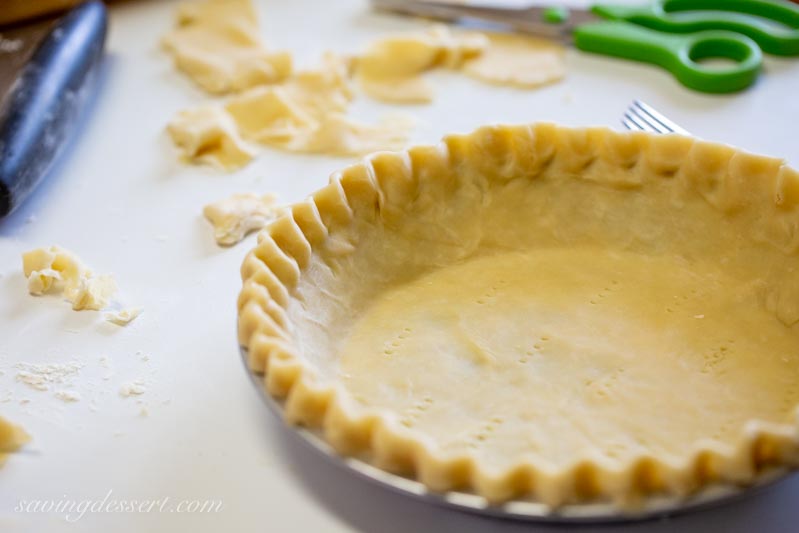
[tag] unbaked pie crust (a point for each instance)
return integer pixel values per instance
(543, 313)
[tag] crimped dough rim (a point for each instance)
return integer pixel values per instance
(273, 269)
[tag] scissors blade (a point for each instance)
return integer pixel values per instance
(527, 19)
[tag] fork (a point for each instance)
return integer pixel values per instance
(642, 116)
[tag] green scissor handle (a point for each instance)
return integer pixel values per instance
(678, 53)
(772, 24)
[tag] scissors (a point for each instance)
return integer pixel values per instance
(676, 35)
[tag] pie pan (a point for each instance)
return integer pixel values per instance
(531, 511)
(539, 321)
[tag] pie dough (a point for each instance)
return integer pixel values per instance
(234, 217)
(390, 70)
(208, 135)
(12, 438)
(306, 114)
(55, 268)
(217, 44)
(340, 135)
(518, 61)
(123, 317)
(538, 312)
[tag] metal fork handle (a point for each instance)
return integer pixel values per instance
(452, 11)
(527, 19)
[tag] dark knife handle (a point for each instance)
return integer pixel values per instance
(41, 108)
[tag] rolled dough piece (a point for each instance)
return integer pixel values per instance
(278, 115)
(518, 61)
(234, 217)
(217, 44)
(208, 134)
(306, 114)
(390, 69)
(407, 90)
(340, 135)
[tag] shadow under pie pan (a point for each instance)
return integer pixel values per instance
(539, 322)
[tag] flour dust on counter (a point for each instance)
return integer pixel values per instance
(67, 396)
(79, 383)
(44, 377)
(132, 388)
(59, 271)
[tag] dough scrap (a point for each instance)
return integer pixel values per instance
(91, 292)
(339, 135)
(12, 438)
(133, 388)
(123, 317)
(55, 268)
(305, 114)
(279, 115)
(207, 134)
(518, 61)
(217, 44)
(234, 217)
(409, 90)
(390, 70)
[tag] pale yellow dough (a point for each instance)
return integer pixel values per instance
(217, 44)
(207, 134)
(342, 136)
(407, 90)
(540, 313)
(123, 317)
(306, 113)
(390, 69)
(12, 438)
(285, 115)
(541, 355)
(518, 61)
(55, 268)
(236, 216)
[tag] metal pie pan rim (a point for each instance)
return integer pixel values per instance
(521, 510)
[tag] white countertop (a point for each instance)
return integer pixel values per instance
(122, 202)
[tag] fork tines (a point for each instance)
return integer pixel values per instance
(641, 116)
